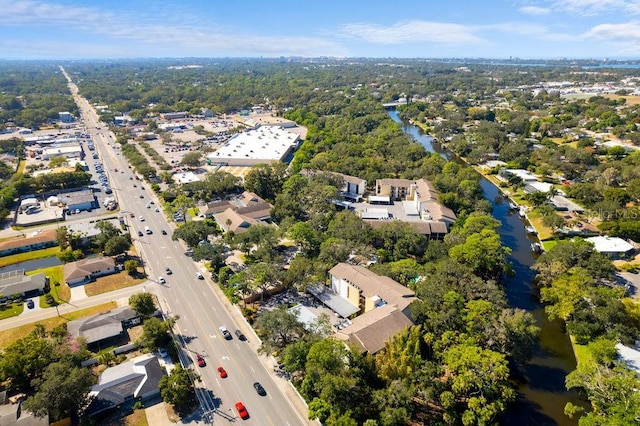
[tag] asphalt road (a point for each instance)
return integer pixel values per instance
(200, 310)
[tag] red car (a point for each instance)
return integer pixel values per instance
(241, 410)
(200, 360)
(223, 372)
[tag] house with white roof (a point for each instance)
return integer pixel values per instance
(613, 247)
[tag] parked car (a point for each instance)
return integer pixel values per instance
(30, 304)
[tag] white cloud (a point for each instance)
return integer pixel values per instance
(625, 31)
(413, 31)
(197, 38)
(597, 7)
(535, 10)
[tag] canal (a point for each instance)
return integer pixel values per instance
(541, 392)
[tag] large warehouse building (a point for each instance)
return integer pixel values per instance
(262, 145)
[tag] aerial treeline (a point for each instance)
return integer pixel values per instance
(32, 94)
(577, 285)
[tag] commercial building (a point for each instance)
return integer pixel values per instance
(261, 145)
(65, 117)
(174, 115)
(78, 200)
(67, 151)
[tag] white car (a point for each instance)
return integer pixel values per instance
(161, 280)
(199, 276)
(141, 219)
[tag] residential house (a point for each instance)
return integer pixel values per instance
(36, 241)
(17, 283)
(613, 247)
(85, 270)
(135, 380)
(12, 413)
(104, 326)
(238, 215)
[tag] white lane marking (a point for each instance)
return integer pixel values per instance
(226, 358)
(212, 336)
(251, 367)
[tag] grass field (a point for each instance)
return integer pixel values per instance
(110, 283)
(9, 336)
(11, 310)
(21, 257)
(138, 418)
(61, 293)
(630, 100)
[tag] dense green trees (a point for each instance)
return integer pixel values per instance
(178, 388)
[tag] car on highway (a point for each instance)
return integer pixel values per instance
(157, 210)
(141, 218)
(222, 372)
(242, 411)
(200, 360)
(141, 196)
(259, 389)
(240, 336)
(163, 232)
(140, 234)
(168, 271)
(199, 276)
(225, 333)
(161, 280)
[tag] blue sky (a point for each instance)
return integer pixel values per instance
(339, 28)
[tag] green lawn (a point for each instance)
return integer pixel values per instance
(193, 212)
(11, 310)
(61, 293)
(582, 353)
(21, 257)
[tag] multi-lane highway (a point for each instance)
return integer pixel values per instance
(199, 308)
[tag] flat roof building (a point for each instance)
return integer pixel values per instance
(262, 145)
(67, 151)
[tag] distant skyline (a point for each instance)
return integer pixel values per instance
(528, 29)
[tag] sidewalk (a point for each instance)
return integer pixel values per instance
(31, 316)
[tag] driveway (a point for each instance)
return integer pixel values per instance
(78, 293)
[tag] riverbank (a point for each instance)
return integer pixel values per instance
(542, 394)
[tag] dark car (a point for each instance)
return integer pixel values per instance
(168, 271)
(163, 232)
(240, 336)
(140, 234)
(259, 389)
(30, 304)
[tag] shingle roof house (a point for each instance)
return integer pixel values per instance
(137, 379)
(102, 326)
(84, 270)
